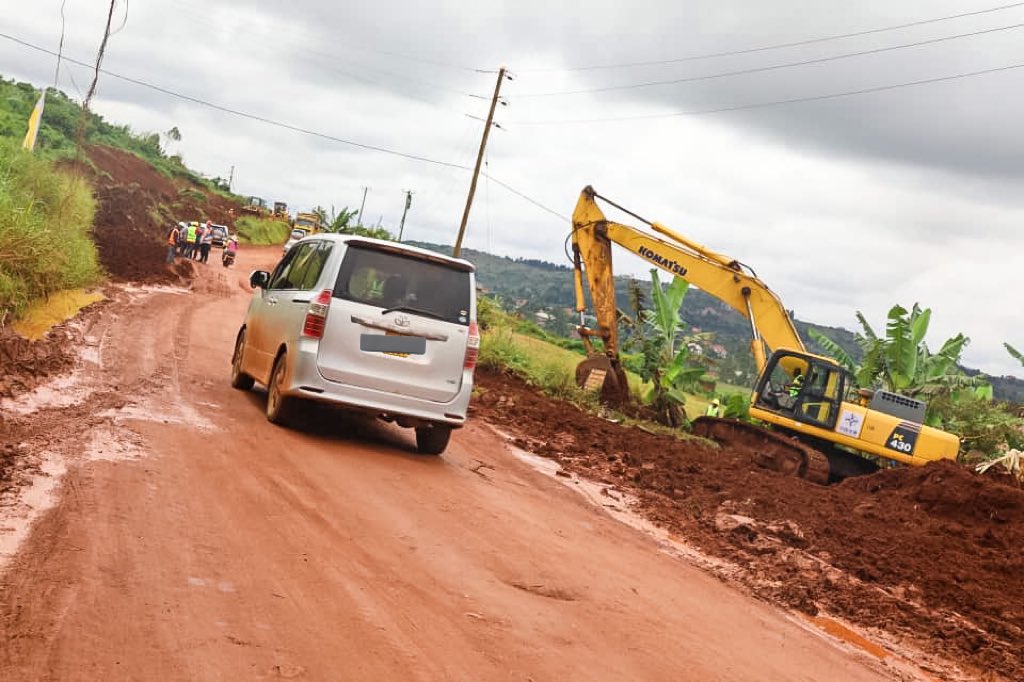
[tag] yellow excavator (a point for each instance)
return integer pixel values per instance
(811, 430)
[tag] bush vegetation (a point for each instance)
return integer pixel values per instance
(45, 218)
(58, 133)
(262, 231)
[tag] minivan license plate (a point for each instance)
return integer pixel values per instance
(393, 344)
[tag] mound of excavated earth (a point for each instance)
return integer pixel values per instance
(136, 206)
(930, 558)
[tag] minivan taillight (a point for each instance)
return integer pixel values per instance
(313, 327)
(472, 346)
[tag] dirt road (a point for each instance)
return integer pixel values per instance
(192, 540)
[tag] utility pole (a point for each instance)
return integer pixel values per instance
(359, 220)
(231, 178)
(479, 159)
(408, 203)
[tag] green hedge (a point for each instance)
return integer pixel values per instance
(261, 231)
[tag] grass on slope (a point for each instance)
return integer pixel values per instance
(262, 231)
(507, 344)
(45, 218)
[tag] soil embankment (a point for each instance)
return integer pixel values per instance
(930, 556)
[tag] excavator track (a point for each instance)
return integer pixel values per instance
(772, 450)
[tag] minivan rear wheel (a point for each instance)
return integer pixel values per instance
(432, 440)
(239, 379)
(279, 406)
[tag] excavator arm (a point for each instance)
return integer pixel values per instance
(718, 275)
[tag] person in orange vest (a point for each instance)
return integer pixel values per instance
(172, 244)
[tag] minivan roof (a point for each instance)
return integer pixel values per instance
(400, 249)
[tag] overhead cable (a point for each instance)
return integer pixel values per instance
(236, 112)
(774, 67)
(778, 46)
(781, 102)
(287, 126)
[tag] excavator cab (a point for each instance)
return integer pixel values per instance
(815, 399)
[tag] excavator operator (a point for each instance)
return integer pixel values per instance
(796, 384)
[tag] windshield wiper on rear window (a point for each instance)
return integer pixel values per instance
(415, 311)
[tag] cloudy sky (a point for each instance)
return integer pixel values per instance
(906, 192)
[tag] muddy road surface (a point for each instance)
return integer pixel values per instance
(180, 536)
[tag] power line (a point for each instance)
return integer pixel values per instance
(287, 126)
(236, 112)
(779, 46)
(398, 55)
(775, 67)
(794, 100)
(60, 46)
(523, 196)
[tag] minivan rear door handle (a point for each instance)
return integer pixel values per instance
(394, 328)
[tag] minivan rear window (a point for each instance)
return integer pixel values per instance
(389, 280)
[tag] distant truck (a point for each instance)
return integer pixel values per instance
(308, 221)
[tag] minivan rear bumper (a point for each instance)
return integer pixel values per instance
(307, 382)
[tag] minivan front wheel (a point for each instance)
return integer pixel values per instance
(432, 440)
(278, 405)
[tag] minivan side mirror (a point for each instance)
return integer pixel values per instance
(259, 279)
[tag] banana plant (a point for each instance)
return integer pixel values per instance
(1014, 352)
(665, 354)
(901, 361)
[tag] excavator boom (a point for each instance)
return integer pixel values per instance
(718, 275)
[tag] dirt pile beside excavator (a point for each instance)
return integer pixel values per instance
(928, 558)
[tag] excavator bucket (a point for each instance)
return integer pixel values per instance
(598, 373)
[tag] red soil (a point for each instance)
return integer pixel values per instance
(932, 556)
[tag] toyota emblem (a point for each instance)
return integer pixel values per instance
(402, 321)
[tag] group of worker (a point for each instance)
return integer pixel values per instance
(194, 241)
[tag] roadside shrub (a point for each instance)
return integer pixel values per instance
(982, 425)
(262, 231)
(45, 218)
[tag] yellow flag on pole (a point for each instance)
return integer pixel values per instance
(34, 121)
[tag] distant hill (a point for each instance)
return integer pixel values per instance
(532, 286)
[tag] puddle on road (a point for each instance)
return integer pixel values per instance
(64, 391)
(178, 413)
(32, 500)
(137, 291)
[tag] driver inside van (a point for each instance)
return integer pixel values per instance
(394, 291)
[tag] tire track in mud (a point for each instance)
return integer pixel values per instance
(77, 417)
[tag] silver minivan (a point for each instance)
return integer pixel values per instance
(368, 324)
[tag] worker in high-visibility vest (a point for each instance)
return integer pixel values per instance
(714, 409)
(796, 384)
(191, 238)
(172, 243)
